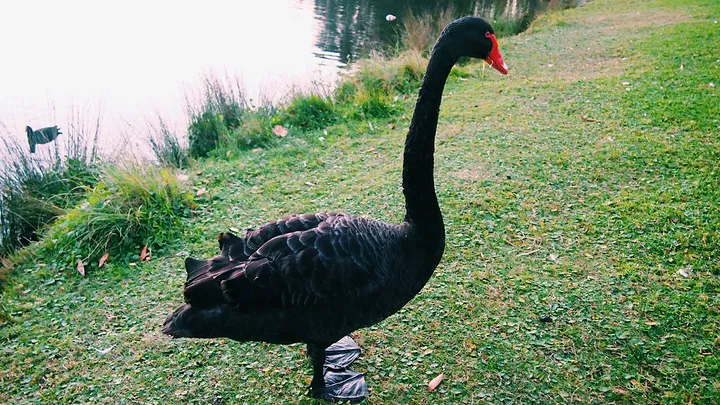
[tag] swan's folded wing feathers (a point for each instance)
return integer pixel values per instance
(254, 239)
(233, 247)
(309, 267)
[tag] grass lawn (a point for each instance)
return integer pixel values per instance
(582, 207)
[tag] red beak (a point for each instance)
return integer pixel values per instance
(495, 59)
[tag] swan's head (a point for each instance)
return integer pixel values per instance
(473, 37)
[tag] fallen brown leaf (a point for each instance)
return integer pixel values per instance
(143, 253)
(201, 192)
(435, 382)
(279, 131)
(588, 119)
(81, 268)
(103, 259)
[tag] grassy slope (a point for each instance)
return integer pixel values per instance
(547, 215)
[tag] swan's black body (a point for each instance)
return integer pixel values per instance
(315, 278)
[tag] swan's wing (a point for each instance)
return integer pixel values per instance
(237, 248)
(343, 259)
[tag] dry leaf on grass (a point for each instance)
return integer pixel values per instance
(144, 253)
(435, 382)
(103, 259)
(81, 268)
(279, 131)
(201, 192)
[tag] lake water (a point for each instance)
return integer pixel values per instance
(129, 61)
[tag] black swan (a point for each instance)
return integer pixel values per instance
(41, 136)
(315, 278)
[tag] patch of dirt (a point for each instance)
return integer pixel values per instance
(591, 68)
(483, 172)
(638, 19)
(585, 50)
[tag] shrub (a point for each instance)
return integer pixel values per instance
(166, 146)
(309, 112)
(373, 104)
(131, 206)
(370, 89)
(219, 111)
(420, 32)
(346, 89)
(254, 131)
(504, 27)
(205, 132)
(37, 188)
(401, 74)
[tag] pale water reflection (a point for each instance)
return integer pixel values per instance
(133, 60)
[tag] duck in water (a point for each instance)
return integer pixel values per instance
(41, 136)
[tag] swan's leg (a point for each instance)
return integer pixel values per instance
(317, 356)
(341, 383)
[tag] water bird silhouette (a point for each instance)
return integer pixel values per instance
(41, 136)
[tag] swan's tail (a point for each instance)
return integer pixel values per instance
(232, 247)
(202, 288)
(190, 322)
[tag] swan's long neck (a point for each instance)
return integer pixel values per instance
(422, 210)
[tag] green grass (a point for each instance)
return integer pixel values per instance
(576, 189)
(131, 207)
(309, 112)
(167, 147)
(37, 188)
(216, 113)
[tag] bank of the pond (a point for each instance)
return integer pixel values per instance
(580, 202)
(37, 188)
